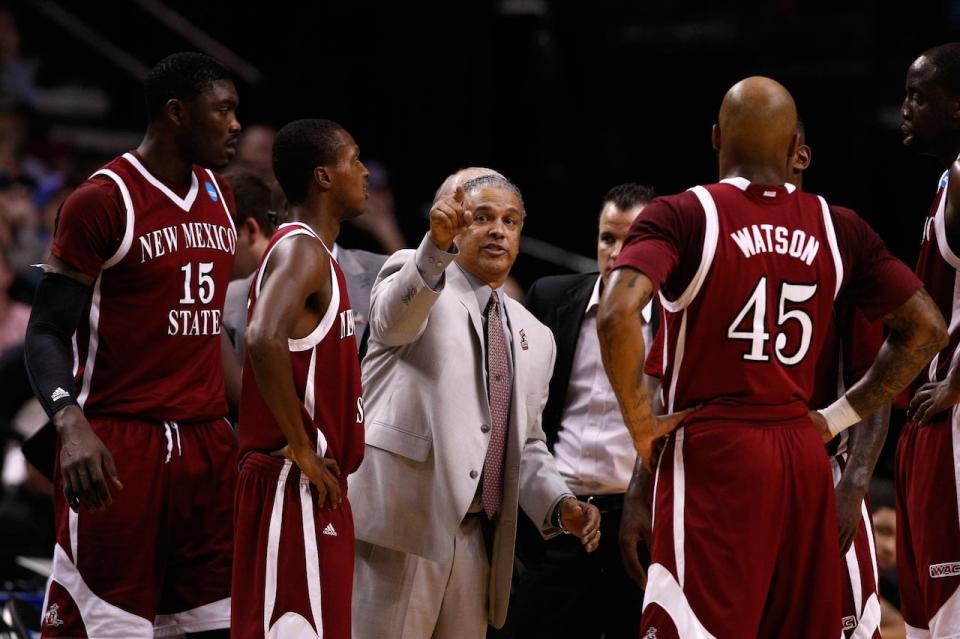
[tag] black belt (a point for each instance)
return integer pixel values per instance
(604, 503)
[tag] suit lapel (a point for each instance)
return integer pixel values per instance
(569, 318)
(459, 285)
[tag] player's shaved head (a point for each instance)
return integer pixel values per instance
(757, 128)
(460, 177)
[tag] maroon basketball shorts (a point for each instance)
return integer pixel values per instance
(293, 561)
(159, 558)
(858, 585)
(744, 535)
(928, 526)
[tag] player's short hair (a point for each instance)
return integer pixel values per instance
(497, 182)
(253, 199)
(946, 59)
(628, 195)
(180, 76)
(298, 149)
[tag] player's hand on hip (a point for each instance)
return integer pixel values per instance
(448, 219)
(931, 399)
(322, 472)
(822, 427)
(582, 520)
(648, 444)
(85, 463)
(635, 529)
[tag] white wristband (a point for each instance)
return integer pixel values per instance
(840, 415)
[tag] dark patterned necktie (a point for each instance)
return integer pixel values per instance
(498, 387)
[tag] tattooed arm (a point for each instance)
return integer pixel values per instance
(917, 333)
(622, 349)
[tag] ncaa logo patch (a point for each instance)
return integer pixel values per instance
(211, 191)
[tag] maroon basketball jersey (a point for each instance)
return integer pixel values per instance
(747, 330)
(937, 267)
(326, 372)
(150, 346)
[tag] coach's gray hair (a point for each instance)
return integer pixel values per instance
(496, 181)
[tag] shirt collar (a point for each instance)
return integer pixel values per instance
(482, 290)
(594, 302)
(742, 184)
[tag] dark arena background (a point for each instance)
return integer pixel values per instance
(566, 98)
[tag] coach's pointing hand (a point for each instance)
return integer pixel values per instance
(448, 219)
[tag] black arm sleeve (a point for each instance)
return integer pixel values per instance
(57, 311)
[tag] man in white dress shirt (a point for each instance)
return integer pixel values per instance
(594, 453)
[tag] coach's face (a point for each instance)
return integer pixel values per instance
(614, 226)
(929, 113)
(490, 244)
(210, 130)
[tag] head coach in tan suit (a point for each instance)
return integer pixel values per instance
(455, 379)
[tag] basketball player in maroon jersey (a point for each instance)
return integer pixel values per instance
(301, 412)
(139, 266)
(735, 551)
(928, 453)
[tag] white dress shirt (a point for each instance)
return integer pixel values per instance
(594, 451)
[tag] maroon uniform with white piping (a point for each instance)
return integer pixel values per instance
(744, 535)
(928, 463)
(149, 379)
(293, 561)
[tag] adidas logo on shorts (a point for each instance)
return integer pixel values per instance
(329, 530)
(59, 394)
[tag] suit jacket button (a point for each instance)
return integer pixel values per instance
(484, 428)
(473, 474)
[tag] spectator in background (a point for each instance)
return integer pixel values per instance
(13, 315)
(883, 504)
(255, 226)
(16, 72)
(254, 153)
(594, 452)
(380, 220)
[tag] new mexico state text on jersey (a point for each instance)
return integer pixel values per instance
(150, 347)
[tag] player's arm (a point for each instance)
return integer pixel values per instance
(297, 270)
(57, 311)
(917, 332)
(636, 524)
(935, 397)
(864, 444)
(231, 373)
(407, 288)
(622, 348)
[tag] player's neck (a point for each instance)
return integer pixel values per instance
(161, 157)
(323, 224)
(754, 173)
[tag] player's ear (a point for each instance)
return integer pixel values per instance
(252, 227)
(715, 136)
(803, 158)
(174, 110)
(794, 145)
(322, 178)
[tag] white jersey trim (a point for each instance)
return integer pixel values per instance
(679, 496)
(185, 203)
(223, 200)
(310, 552)
(742, 183)
(834, 246)
(711, 234)
(273, 547)
(128, 206)
(940, 226)
(92, 344)
(677, 361)
(663, 590)
(212, 616)
(101, 618)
